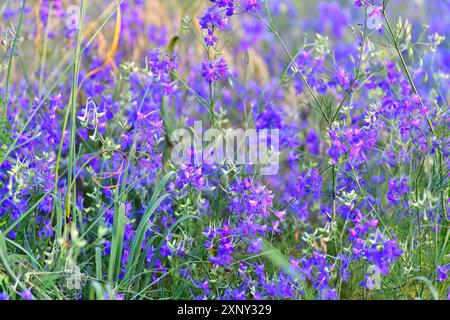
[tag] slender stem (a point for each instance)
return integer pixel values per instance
(73, 112)
(44, 49)
(294, 63)
(13, 48)
(62, 74)
(212, 104)
(408, 74)
(427, 118)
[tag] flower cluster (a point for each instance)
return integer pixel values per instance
(359, 206)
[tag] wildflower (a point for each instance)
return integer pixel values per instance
(342, 78)
(359, 3)
(443, 273)
(280, 214)
(391, 250)
(255, 246)
(228, 4)
(191, 175)
(204, 286)
(397, 189)
(238, 294)
(309, 183)
(214, 70)
(330, 295)
(26, 294)
(47, 230)
(212, 19)
(375, 15)
(210, 39)
(253, 5)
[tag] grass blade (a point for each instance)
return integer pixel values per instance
(143, 225)
(116, 243)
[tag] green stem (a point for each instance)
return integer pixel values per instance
(294, 63)
(13, 48)
(73, 113)
(44, 50)
(427, 118)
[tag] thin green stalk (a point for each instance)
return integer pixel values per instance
(13, 48)
(98, 264)
(117, 241)
(427, 118)
(212, 105)
(44, 99)
(294, 63)
(44, 50)
(5, 264)
(4, 7)
(71, 194)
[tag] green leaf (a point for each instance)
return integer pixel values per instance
(155, 201)
(117, 242)
(98, 263)
(172, 45)
(5, 264)
(429, 285)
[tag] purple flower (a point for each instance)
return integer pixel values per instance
(204, 286)
(280, 214)
(375, 16)
(214, 70)
(309, 183)
(212, 19)
(391, 250)
(26, 294)
(210, 38)
(442, 273)
(359, 3)
(342, 78)
(253, 5)
(255, 246)
(397, 189)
